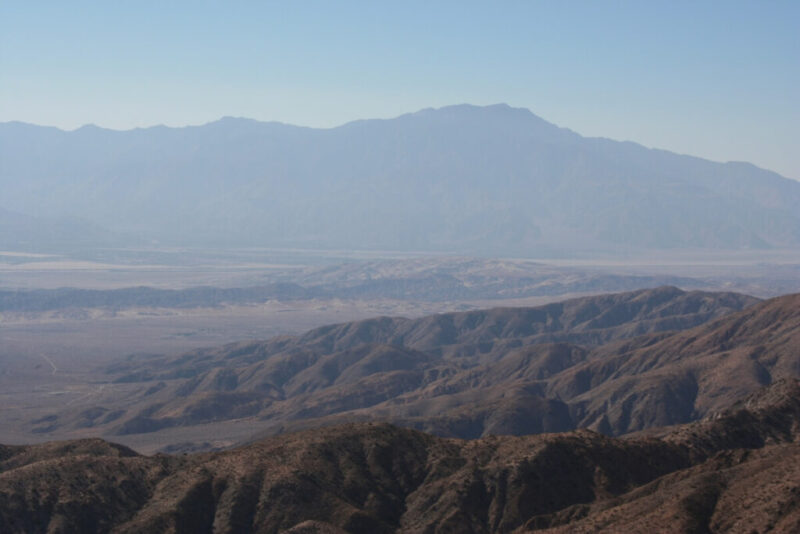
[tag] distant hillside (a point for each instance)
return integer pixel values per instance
(498, 371)
(478, 180)
(736, 472)
(429, 280)
(32, 233)
(36, 300)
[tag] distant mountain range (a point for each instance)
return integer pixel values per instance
(477, 180)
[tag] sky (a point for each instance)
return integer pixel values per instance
(715, 79)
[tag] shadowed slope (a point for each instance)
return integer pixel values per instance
(689, 374)
(379, 478)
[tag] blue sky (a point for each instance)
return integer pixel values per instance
(717, 79)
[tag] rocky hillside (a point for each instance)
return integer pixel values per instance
(500, 371)
(738, 471)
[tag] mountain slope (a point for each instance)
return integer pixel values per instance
(27, 232)
(482, 180)
(379, 478)
(473, 374)
(463, 374)
(691, 373)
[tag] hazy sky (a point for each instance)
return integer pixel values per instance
(717, 79)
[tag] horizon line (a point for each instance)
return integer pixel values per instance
(499, 105)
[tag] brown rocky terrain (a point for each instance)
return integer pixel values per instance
(467, 374)
(736, 471)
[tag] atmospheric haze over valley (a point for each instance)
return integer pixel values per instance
(454, 317)
(169, 289)
(485, 273)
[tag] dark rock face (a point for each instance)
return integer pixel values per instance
(736, 471)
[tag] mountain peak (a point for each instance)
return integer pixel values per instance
(89, 127)
(229, 119)
(472, 110)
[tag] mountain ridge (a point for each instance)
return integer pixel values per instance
(381, 478)
(484, 180)
(465, 374)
